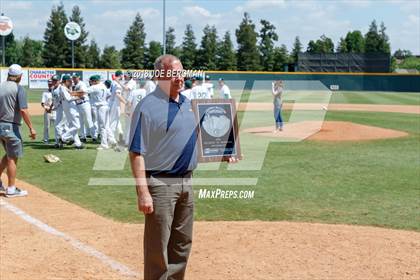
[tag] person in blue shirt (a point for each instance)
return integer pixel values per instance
(163, 155)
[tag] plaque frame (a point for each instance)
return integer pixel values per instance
(234, 129)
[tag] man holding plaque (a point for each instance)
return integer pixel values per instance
(163, 156)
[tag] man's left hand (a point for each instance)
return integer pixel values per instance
(233, 160)
(32, 133)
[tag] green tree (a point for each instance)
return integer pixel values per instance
(31, 53)
(226, 57)
(281, 58)
(372, 39)
(327, 44)
(153, 52)
(248, 57)
(322, 45)
(411, 62)
(342, 46)
(134, 41)
(189, 48)
(297, 48)
(57, 50)
(268, 37)
(355, 43)
(93, 57)
(384, 45)
(313, 47)
(171, 47)
(110, 58)
(13, 51)
(80, 46)
(207, 53)
(401, 54)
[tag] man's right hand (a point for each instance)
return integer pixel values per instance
(145, 202)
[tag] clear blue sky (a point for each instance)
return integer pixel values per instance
(108, 20)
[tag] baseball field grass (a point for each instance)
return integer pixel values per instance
(343, 97)
(365, 183)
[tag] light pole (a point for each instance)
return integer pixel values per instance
(3, 50)
(72, 30)
(72, 53)
(164, 27)
(6, 25)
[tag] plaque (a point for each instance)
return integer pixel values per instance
(218, 134)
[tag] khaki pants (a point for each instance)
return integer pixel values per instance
(168, 230)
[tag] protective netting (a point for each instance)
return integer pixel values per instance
(344, 62)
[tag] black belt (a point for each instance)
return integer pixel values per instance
(80, 103)
(163, 174)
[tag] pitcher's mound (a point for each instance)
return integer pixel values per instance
(327, 131)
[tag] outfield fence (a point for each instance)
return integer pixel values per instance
(38, 77)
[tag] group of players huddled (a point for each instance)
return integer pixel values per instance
(102, 111)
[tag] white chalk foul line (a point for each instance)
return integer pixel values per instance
(117, 266)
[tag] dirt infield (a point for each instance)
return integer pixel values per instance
(328, 131)
(36, 110)
(45, 249)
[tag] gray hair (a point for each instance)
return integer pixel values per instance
(160, 61)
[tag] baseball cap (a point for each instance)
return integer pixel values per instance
(118, 73)
(108, 83)
(75, 75)
(65, 77)
(54, 78)
(129, 74)
(221, 79)
(94, 78)
(188, 84)
(15, 70)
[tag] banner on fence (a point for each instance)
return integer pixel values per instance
(38, 78)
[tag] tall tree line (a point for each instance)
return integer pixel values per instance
(256, 49)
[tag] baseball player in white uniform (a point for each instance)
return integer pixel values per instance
(49, 114)
(127, 90)
(150, 86)
(84, 108)
(99, 94)
(187, 92)
(133, 99)
(224, 91)
(129, 85)
(201, 91)
(60, 120)
(71, 112)
(208, 85)
(115, 101)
